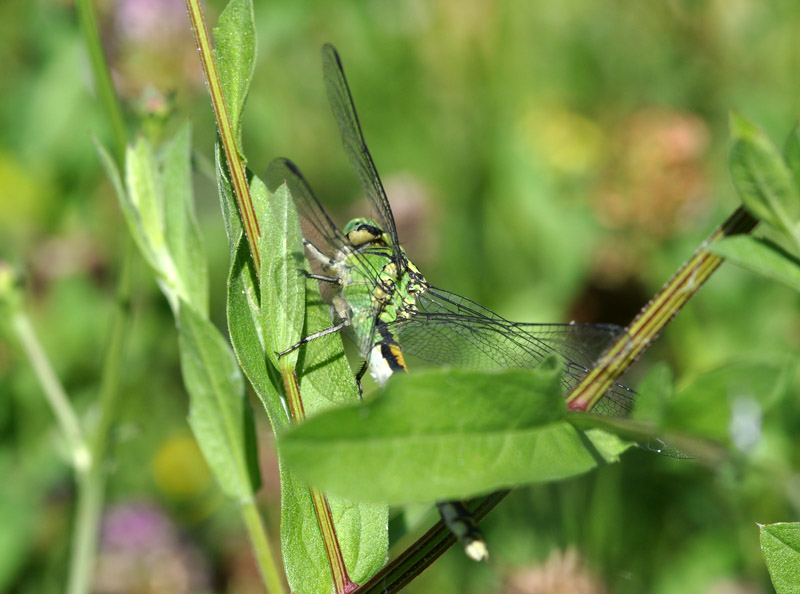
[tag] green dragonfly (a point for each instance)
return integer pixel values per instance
(380, 298)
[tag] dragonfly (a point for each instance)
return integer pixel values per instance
(381, 299)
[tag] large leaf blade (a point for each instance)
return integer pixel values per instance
(442, 434)
(219, 414)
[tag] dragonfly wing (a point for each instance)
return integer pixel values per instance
(317, 227)
(344, 111)
(452, 330)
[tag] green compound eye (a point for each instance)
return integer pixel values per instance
(362, 231)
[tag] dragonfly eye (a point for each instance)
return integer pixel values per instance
(363, 231)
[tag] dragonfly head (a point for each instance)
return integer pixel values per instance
(362, 231)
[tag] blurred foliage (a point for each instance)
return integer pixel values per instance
(552, 161)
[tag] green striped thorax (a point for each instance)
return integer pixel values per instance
(374, 292)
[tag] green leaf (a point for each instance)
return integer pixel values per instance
(283, 285)
(761, 256)
(326, 382)
(182, 231)
(443, 434)
(244, 326)
(219, 414)
(235, 54)
(129, 210)
(761, 177)
(780, 544)
(360, 529)
(230, 211)
(146, 195)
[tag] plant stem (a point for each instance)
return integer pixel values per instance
(89, 505)
(225, 129)
(102, 77)
(263, 552)
(90, 479)
(333, 550)
(53, 391)
(654, 317)
(91, 482)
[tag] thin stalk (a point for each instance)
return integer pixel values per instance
(646, 327)
(53, 391)
(225, 128)
(261, 549)
(90, 480)
(88, 511)
(102, 77)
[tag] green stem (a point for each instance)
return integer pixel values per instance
(236, 168)
(91, 479)
(53, 391)
(102, 77)
(263, 553)
(90, 484)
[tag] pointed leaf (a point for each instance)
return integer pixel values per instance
(283, 285)
(761, 256)
(135, 226)
(443, 434)
(230, 212)
(235, 54)
(219, 414)
(780, 544)
(244, 325)
(761, 177)
(145, 191)
(182, 231)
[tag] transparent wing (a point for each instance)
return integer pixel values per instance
(452, 330)
(344, 111)
(316, 225)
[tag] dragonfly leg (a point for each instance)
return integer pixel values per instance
(359, 375)
(317, 253)
(460, 522)
(321, 277)
(315, 335)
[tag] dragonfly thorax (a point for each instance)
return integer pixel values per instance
(362, 231)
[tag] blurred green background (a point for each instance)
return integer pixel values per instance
(553, 161)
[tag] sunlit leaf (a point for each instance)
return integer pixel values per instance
(761, 256)
(235, 54)
(780, 544)
(281, 277)
(761, 177)
(219, 414)
(182, 231)
(443, 434)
